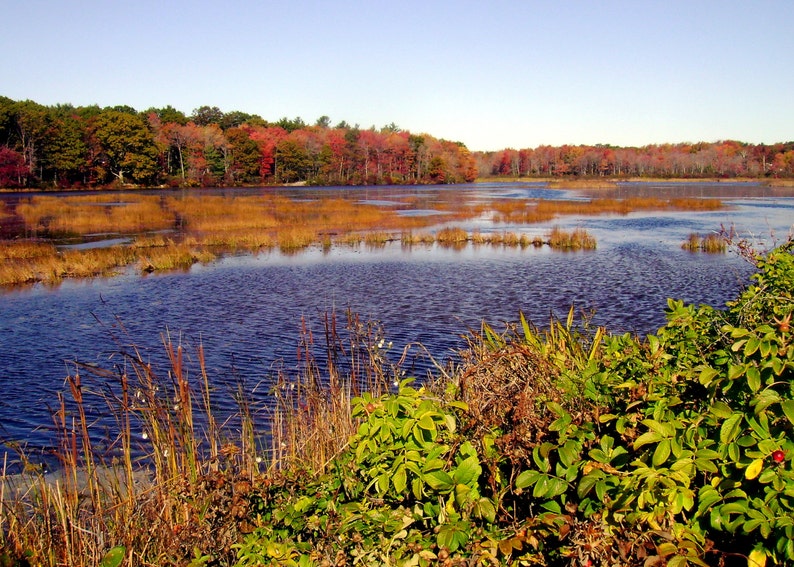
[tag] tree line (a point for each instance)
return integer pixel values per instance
(67, 146)
(724, 159)
(64, 146)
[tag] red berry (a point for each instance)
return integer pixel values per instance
(778, 456)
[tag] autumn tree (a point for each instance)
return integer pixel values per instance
(13, 171)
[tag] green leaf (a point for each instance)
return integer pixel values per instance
(587, 482)
(707, 375)
(467, 471)
(734, 508)
(400, 480)
(661, 453)
(706, 465)
(647, 438)
(542, 487)
(527, 478)
(382, 485)
(788, 409)
(753, 378)
(751, 346)
(426, 422)
(730, 428)
(757, 558)
(439, 481)
(721, 410)
(707, 497)
(485, 509)
(114, 557)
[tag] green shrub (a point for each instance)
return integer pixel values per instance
(569, 446)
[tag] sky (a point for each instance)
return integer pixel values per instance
(492, 74)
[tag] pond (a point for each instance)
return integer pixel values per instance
(247, 310)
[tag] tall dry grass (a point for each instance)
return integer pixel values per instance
(532, 211)
(173, 484)
(711, 243)
(92, 214)
(208, 226)
(577, 239)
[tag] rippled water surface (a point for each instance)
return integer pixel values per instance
(247, 310)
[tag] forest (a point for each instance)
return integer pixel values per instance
(65, 146)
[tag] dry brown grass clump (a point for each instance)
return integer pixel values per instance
(508, 379)
(93, 214)
(535, 211)
(174, 485)
(452, 235)
(578, 239)
(711, 243)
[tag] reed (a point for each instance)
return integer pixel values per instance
(350, 239)
(174, 484)
(531, 212)
(452, 235)
(409, 238)
(578, 239)
(93, 214)
(378, 238)
(215, 225)
(582, 184)
(711, 243)
(24, 249)
(295, 238)
(172, 256)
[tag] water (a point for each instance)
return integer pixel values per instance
(246, 311)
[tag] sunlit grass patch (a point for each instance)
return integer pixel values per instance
(377, 238)
(421, 237)
(295, 238)
(92, 214)
(452, 235)
(711, 243)
(172, 257)
(528, 211)
(578, 239)
(24, 249)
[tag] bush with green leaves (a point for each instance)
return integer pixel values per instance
(569, 446)
(407, 491)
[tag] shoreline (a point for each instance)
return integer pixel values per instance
(554, 182)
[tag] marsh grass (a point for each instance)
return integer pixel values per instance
(712, 243)
(578, 239)
(91, 214)
(207, 226)
(451, 236)
(410, 238)
(177, 477)
(530, 212)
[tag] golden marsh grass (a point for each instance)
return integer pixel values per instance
(711, 243)
(92, 214)
(529, 211)
(212, 225)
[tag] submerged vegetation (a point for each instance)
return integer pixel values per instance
(166, 232)
(559, 446)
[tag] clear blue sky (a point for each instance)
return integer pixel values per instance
(491, 74)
